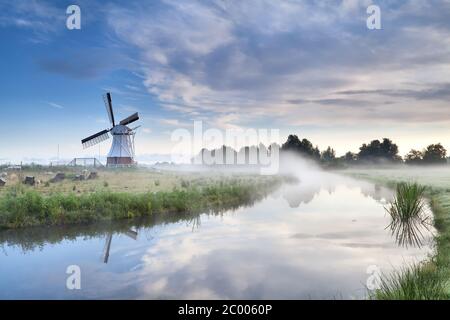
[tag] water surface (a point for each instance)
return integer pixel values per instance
(306, 241)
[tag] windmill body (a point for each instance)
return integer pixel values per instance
(121, 152)
(122, 149)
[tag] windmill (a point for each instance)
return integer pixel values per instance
(122, 149)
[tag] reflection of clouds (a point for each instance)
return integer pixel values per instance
(319, 249)
(312, 251)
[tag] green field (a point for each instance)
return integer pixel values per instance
(120, 194)
(131, 180)
(431, 280)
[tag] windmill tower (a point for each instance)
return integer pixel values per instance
(122, 149)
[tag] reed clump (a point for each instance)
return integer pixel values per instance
(408, 214)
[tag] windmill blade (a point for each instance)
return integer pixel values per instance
(109, 109)
(107, 248)
(95, 139)
(135, 128)
(130, 119)
(131, 234)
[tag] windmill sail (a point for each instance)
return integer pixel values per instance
(109, 109)
(95, 139)
(134, 117)
(107, 248)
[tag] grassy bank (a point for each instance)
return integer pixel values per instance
(21, 206)
(430, 280)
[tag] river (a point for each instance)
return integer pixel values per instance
(322, 239)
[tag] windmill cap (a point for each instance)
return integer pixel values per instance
(120, 129)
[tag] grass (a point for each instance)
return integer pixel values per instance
(416, 282)
(21, 206)
(131, 180)
(407, 211)
(408, 204)
(430, 280)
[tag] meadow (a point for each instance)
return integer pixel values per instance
(130, 180)
(430, 280)
(120, 194)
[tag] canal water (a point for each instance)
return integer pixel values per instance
(317, 239)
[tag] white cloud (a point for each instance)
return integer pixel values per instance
(236, 62)
(55, 105)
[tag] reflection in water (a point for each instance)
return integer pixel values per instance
(317, 244)
(304, 193)
(410, 221)
(130, 233)
(413, 231)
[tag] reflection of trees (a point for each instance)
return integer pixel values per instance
(303, 193)
(376, 192)
(297, 194)
(29, 239)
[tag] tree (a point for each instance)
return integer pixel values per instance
(328, 155)
(377, 150)
(350, 157)
(316, 153)
(435, 154)
(414, 157)
(303, 147)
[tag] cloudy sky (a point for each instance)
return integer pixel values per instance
(311, 68)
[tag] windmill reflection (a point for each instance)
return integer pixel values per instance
(130, 233)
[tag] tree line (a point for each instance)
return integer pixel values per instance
(376, 152)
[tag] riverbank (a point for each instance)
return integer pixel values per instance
(25, 206)
(430, 280)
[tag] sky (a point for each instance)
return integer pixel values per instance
(310, 68)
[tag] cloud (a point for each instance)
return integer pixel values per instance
(55, 105)
(259, 62)
(218, 59)
(41, 17)
(437, 91)
(171, 122)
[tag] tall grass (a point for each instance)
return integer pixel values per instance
(22, 207)
(425, 281)
(407, 211)
(438, 191)
(417, 282)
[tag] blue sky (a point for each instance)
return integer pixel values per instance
(305, 67)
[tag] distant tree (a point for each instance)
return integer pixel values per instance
(303, 147)
(316, 153)
(377, 150)
(350, 157)
(435, 154)
(292, 143)
(414, 157)
(328, 155)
